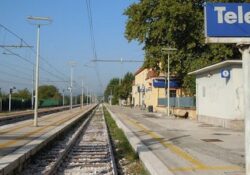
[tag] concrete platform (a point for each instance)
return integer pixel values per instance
(181, 146)
(21, 140)
(4, 116)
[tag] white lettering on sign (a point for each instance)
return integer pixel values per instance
(231, 17)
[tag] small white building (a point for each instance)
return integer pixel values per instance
(219, 94)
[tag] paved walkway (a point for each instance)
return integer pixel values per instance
(185, 146)
(14, 136)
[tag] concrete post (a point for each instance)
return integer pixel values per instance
(87, 95)
(37, 76)
(168, 86)
(1, 101)
(82, 95)
(32, 89)
(63, 98)
(245, 50)
(71, 86)
(10, 102)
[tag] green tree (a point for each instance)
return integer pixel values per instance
(157, 24)
(126, 86)
(119, 89)
(48, 91)
(113, 89)
(22, 94)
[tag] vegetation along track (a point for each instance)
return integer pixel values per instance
(84, 150)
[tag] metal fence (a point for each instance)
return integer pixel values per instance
(183, 102)
(22, 104)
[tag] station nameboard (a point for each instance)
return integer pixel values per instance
(227, 22)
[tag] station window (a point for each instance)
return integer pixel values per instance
(172, 93)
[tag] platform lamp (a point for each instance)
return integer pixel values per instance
(38, 21)
(168, 50)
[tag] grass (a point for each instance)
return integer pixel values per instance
(124, 153)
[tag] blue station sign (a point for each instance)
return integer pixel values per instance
(227, 19)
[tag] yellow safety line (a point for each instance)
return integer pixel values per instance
(198, 165)
(234, 168)
(11, 129)
(3, 145)
(15, 128)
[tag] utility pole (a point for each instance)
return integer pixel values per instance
(82, 95)
(87, 95)
(11, 90)
(32, 89)
(90, 101)
(168, 50)
(72, 64)
(38, 22)
(63, 97)
(1, 101)
(91, 97)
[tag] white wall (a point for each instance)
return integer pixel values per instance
(219, 97)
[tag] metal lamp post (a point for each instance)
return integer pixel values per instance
(72, 65)
(1, 101)
(168, 50)
(82, 95)
(87, 95)
(11, 90)
(63, 97)
(38, 21)
(70, 91)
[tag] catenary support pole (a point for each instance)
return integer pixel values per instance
(72, 64)
(168, 86)
(32, 89)
(10, 102)
(1, 101)
(87, 95)
(82, 95)
(63, 98)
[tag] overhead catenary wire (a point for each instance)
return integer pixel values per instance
(33, 51)
(16, 69)
(15, 82)
(15, 76)
(28, 61)
(91, 28)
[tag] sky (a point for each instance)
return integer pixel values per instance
(66, 39)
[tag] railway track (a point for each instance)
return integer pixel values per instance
(85, 149)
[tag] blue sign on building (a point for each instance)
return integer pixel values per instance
(227, 19)
(225, 73)
(160, 83)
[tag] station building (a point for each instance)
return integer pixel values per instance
(219, 94)
(149, 86)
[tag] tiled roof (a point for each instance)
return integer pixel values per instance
(139, 71)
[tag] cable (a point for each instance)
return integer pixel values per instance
(16, 76)
(15, 69)
(89, 11)
(32, 49)
(28, 61)
(12, 82)
(19, 56)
